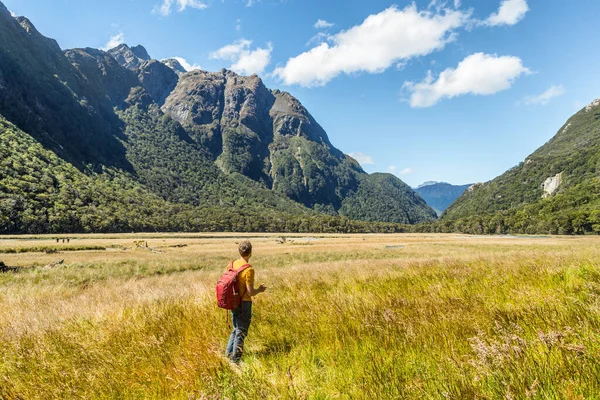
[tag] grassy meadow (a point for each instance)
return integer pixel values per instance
(345, 317)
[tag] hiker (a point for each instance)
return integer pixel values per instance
(242, 315)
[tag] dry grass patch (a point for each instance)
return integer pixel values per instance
(345, 317)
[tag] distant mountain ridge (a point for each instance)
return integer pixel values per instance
(428, 183)
(440, 195)
(204, 139)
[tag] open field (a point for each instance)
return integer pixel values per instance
(359, 316)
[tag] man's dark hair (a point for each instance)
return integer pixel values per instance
(245, 248)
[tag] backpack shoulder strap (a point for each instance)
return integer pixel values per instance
(243, 268)
(239, 270)
(230, 266)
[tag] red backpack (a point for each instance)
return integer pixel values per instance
(228, 296)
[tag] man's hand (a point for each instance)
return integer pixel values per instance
(252, 291)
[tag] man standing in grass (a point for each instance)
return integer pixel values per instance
(242, 315)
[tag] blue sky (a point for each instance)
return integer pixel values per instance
(455, 91)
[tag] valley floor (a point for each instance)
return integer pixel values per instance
(346, 316)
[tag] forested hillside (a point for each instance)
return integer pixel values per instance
(555, 190)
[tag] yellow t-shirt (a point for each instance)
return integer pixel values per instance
(244, 278)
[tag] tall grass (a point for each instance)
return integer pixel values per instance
(444, 317)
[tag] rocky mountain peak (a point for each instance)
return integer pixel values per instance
(128, 57)
(140, 52)
(174, 65)
(428, 183)
(35, 34)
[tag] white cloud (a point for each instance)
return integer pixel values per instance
(479, 74)
(250, 3)
(381, 41)
(322, 24)
(544, 98)
(114, 41)
(392, 169)
(186, 65)
(362, 158)
(509, 13)
(245, 61)
(165, 8)
(238, 25)
(12, 14)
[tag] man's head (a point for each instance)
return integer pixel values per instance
(245, 249)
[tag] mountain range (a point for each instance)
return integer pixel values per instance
(93, 140)
(440, 195)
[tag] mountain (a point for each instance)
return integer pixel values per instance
(556, 189)
(428, 183)
(42, 193)
(439, 195)
(193, 140)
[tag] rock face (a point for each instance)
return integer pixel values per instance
(551, 185)
(157, 78)
(195, 137)
(266, 135)
(592, 105)
(104, 75)
(45, 95)
(175, 66)
(129, 57)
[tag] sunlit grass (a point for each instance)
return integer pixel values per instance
(344, 317)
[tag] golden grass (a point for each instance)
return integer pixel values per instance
(357, 316)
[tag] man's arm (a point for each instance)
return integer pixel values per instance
(250, 289)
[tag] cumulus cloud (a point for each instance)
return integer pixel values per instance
(544, 98)
(381, 41)
(362, 158)
(12, 14)
(186, 65)
(244, 60)
(406, 171)
(509, 13)
(166, 6)
(322, 24)
(479, 74)
(114, 41)
(392, 169)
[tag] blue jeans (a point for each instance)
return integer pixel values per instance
(241, 317)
